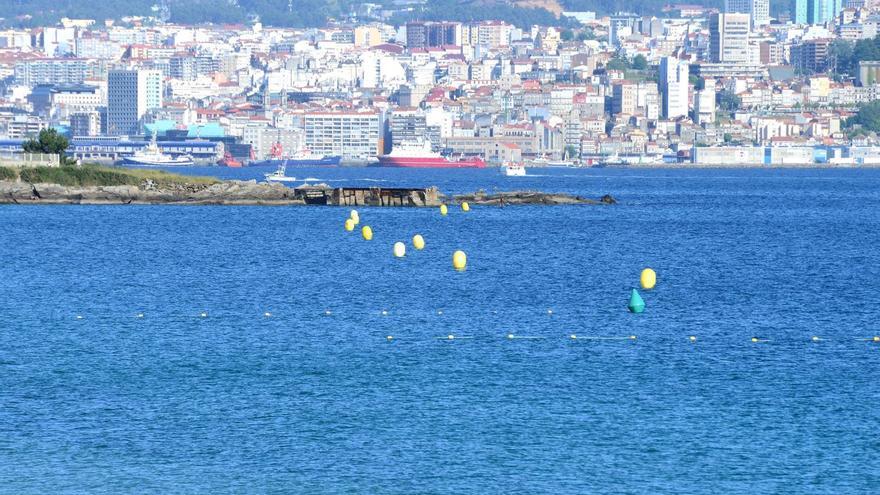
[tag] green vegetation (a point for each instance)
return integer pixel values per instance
(867, 119)
(95, 175)
(49, 142)
(844, 56)
(641, 7)
(287, 13)
(455, 10)
(728, 101)
(636, 70)
(309, 13)
(296, 13)
(8, 173)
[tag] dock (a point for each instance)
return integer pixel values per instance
(368, 196)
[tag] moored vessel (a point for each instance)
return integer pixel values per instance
(152, 156)
(302, 158)
(410, 154)
(513, 169)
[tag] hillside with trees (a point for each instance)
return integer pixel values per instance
(307, 13)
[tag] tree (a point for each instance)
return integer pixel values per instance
(640, 62)
(586, 34)
(698, 82)
(868, 117)
(566, 35)
(617, 63)
(728, 101)
(571, 151)
(48, 141)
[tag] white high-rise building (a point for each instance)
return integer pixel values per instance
(704, 103)
(729, 37)
(130, 95)
(673, 88)
(758, 10)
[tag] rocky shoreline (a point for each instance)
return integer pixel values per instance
(233, 192)
(531, 198)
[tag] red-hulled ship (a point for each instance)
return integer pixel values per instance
(419, 155)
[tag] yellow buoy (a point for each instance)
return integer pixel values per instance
(444, 210)
(389, 337)
(349, 225)
(876, 339)
(355, 216)
(459, 260)
(399, 249)
(367, 232)
(754, 339)
(648, 278)
(573, 337)
(418, 242)
(465, 206)
(692, 338)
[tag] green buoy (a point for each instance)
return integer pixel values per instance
(636, 303)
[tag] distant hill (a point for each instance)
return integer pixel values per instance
(310, 13)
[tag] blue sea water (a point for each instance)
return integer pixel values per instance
(308, 402)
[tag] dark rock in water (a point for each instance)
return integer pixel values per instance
(530, 198)
(233, 192)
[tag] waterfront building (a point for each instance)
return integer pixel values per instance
(130, 95)
(344, 133)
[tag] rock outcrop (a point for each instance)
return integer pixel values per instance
(530, 198)
(225, 192)
(251, 192)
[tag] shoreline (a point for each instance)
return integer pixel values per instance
(252, 193)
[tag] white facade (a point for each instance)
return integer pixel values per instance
(674, 87)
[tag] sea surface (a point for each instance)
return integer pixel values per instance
(262, 364)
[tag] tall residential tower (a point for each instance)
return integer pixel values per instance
(130, 94)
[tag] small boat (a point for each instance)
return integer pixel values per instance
(229, 161)
(152, 156)
(512, 169)
(302, 158)
(279, 175)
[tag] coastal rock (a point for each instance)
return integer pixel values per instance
(259, 193)
(228, 192)
(530, 198)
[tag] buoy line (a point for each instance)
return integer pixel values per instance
(268, 315)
